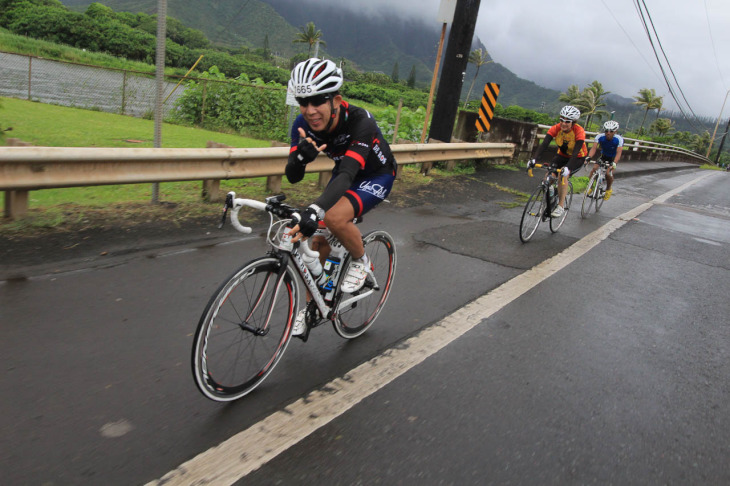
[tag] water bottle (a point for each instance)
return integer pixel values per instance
(553, 195)
(328, 279)
(313, 264)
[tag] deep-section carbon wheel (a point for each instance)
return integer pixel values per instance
(356, 312)
(244, 330)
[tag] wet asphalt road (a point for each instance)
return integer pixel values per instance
(611, 370)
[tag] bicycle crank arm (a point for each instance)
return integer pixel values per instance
(353, 300)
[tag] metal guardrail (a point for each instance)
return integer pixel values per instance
(30, 168)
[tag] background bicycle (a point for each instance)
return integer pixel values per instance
(247, 324)
(543, 200)
(593, 196)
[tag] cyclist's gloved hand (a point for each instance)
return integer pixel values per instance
(588, 161)
(531, 163)
(308, 220)
(613, 165)
(306, 151)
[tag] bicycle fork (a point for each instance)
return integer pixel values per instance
(276, 280)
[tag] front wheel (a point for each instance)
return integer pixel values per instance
(556, 223)
(602, 191)
(532, 214)
(589, 196)
(356, 312)
(244, 330)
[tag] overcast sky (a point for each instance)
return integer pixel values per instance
(556, 44)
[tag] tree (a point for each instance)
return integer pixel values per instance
(700, 143)
(478, 57)
(394, 76)
(309, 35)
(591, 100)
(571, 96)
(648, 100)
(662, 126)
(412, 78)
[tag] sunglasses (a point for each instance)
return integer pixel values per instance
(562, 120)
(313, 100)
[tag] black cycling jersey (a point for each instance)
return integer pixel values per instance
(357, 146)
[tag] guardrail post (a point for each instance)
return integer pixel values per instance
(16, 204)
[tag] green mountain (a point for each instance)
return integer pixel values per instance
(373, 43)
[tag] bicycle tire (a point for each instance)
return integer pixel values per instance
(589, 196)
(351, 320)
(556, 223)
(601, 190)
(532, 214)
(230, 360)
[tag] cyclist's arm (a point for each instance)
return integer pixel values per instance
(546, 141)
(341, 182)
(592, 152)
(618, 155)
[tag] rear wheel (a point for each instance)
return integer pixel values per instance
(356, 312)
(556, 223)
(532, 214)
(244, 330)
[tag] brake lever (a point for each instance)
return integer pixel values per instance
(228, 204)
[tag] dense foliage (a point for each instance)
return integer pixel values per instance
(247, 107)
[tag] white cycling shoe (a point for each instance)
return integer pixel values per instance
(357, 274)
(557, 212)
(299, 326)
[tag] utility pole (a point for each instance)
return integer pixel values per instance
(722, 142)
(160, 78)
(452, 74)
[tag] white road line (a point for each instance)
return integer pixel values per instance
(250, 449)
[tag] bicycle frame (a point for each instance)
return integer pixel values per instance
(291, 254)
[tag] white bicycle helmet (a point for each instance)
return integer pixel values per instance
(570, 113)
(314, 77)
(610, 126)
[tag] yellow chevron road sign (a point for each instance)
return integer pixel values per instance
(486, 110)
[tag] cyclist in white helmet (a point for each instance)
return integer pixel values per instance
(611, 145)
(364, 165)
(570, 138)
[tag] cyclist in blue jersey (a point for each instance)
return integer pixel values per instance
(611, 145)
(364, 168)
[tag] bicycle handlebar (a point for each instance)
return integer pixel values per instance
(273, 205)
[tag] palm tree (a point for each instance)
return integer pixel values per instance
(648, 100)
(478, 57)
(571, 96)
(591, 100)
(662, 126)
(700, 143)
(309, 35)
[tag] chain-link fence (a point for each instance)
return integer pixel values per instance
(220, 104)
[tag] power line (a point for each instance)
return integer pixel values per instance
(693, 119)
(714, 50)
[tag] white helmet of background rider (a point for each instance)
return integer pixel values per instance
(314, 77)
(570, 113)
(610, 126)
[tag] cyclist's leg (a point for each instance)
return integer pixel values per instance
(609, 174)
(364, 194)
(559, 162)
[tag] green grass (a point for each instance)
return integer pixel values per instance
(60, 126)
